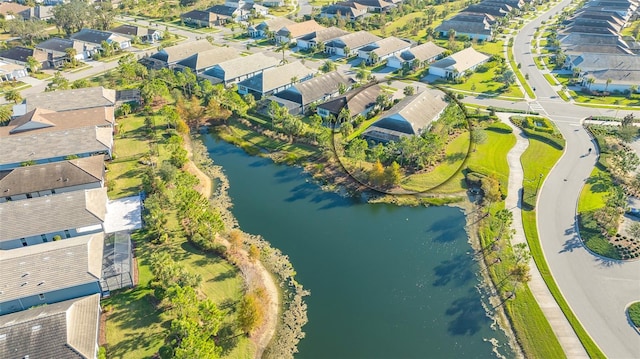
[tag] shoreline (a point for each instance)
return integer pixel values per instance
(345, 186)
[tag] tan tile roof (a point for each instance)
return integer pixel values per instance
(11, 7)
(296, 30)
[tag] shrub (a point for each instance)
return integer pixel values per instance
(56, 238)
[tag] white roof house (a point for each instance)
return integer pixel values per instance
(457, 64)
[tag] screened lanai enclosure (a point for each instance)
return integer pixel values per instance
(117, 263)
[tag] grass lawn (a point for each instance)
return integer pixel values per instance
(489, 157)
(634, 313)
(490, 48)
(538, 159)
(550, 79)
(595, 191)
(613, 99)
(40, 75)
(456, 152)
(484, 82)
(135, 327)
(518, 73)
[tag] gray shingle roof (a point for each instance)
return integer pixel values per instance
(222, 10)
(462, 60)
(66, 330)
(51, 144)
(245, 65)
(390, 45)
(316, 88)
(49, 214)
(56, 44)
(357, 100)
(411, 115)
(619, 68)
(51, 266)
(205, 59)
(65, 100)
(91, 36)
(355, 40)
(199, 15)
(276, 77)
(274, 24)
(17, 53)
(181, 51)
(130, 30)
(30, 179)
(423, 52)
(325, 34)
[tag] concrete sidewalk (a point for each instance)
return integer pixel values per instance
(559, 323)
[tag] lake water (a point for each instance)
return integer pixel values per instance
(385, 281)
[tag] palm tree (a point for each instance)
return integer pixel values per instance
(71, 55)
(590, 81)
(13, 95)
(33, 64)
(282, 48)
(607, 85)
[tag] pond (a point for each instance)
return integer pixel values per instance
(385, 281)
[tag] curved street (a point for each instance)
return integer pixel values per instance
(598, 290)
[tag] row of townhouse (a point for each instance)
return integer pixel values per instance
(53, 205)
(595, 48)
(219, 15)
(53, 53)
(353, 9)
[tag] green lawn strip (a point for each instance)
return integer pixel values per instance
(455, 153)
(594, 193)
(484, 82)
(538, 159)
(613, 99)
(518, 73)
(539, 63)
(634, 313)
(550, 79)
(532, 328)
(563, 95)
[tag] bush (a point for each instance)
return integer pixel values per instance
(56, 238)
(500, 128)
(634, 313)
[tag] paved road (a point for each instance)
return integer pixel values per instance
(598, 290)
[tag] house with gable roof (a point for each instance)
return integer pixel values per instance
(268, 26)
(169, 56)
(417, 56)
(299, 97)
(52, 178)
(383, 49)
(67, 100)
(359, 101)
(457, 64)
(241, 68)
(55, 50)
(348, 45)
(92, 40)
(275, 79)
(291, 33)
(205, 60)
(38, 220)
(315, 38)
(31, 276)
(202, 18)
(67, 329)
(475, 26)
(143, 33)
(18, 55)
(411, 116)
(348, 10)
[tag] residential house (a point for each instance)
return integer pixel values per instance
(348, 10)
(348, 45)
(40, 220)
(275, 79)
(359, 101)
(312, 40)
(67, 329)
(40, 12)
(18, 55)
(377, 5)
(595, 43)
(383, 49)
(50, 273)
(456, 65)
(269, 26)
(242, 68)
(239, 10)
(41, 118)
(55, 50)
(203, 61)
(411, 116)
(169, 56)
(52, 178)
(274, 3)
(92, 40)
(475, 26)
(516, 4)
(494, 9)
(291, 33)
(610, 72)
(12, 72)
(297, 98)
(12, 10)
(144, 34)
(67, 100)
(417, 56)
(202, 18)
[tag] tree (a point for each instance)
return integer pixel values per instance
(361, 74)
(491, 189)
(393, 174)
(607, 84)
(58, 82)
(590, 81)
(254, 252)
(357, 150)
(478, 136)
(28, 30)
(73, 16)
(33, 64)
(71, 54)
(250, 314)
(634, 230)
(328, 66)
(409, 90)
(5, 115)
(623, 162)
(13, 95)
(508, 78)
(632, 89)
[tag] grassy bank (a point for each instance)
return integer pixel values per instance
(136, 327)
(538, 160)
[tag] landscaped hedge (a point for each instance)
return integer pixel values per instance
(593, 238)
(511, 110)
(545, 133)
(500, 128)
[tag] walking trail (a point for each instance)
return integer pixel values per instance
(559, 323)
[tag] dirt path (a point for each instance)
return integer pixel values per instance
(255, 275)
